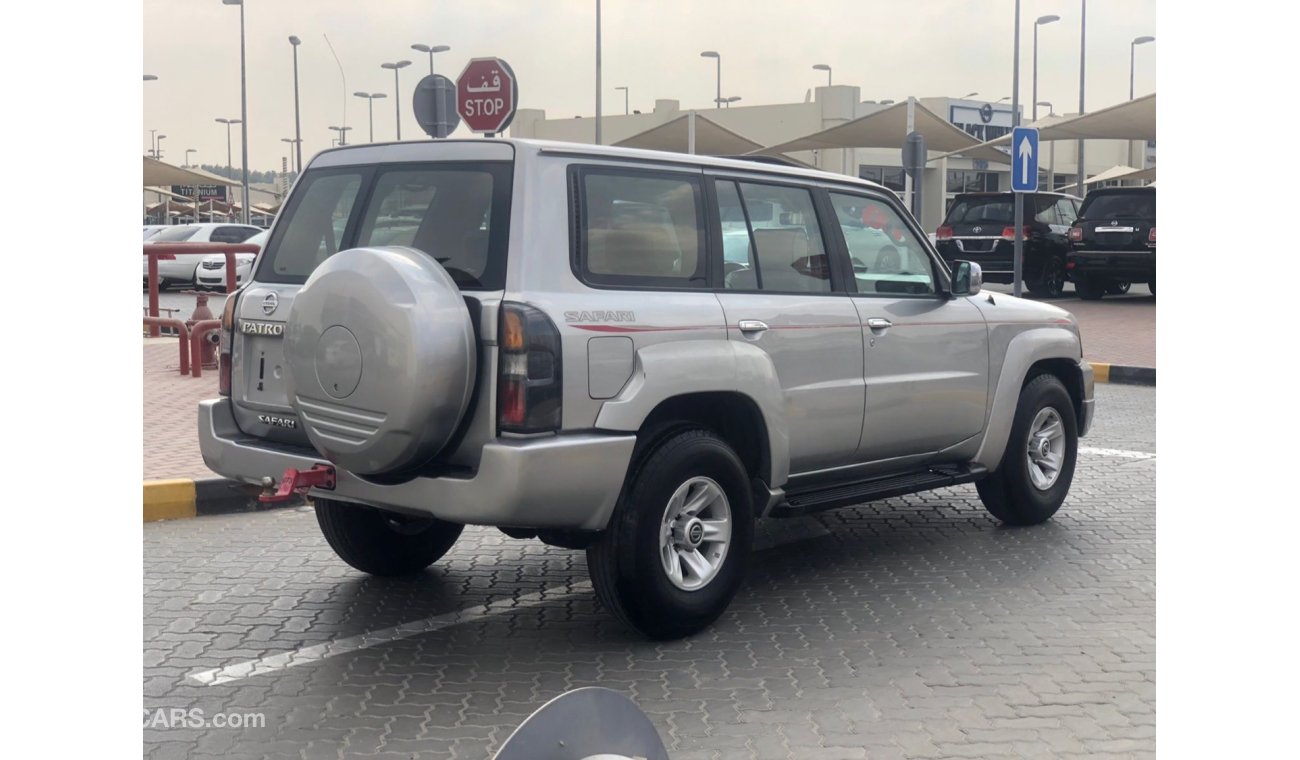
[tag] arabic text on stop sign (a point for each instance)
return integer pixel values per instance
(484, 107)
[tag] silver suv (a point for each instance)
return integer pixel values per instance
(634, 353)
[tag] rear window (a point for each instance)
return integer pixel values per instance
(997, 210)
(458, 213)
(1120, 206)
(175, 234)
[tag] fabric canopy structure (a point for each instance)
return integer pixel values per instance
(1131, 120)
(887, 128)
(1118, 173)
(158, 173)
(711, 138)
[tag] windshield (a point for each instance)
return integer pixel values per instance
(446, 210)
(1140, 205)
(996, 210)
(175, 234)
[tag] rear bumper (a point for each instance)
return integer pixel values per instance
(1134, 265)
(567, 481)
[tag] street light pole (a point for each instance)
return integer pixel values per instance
(297, 118)
(1018, 250)
(431, 49)
(230, 169)
(598, 72)
(370, 100)
(188, 151)
(158, 147)
(342, 139)
(827, 69)
(243, 111)
(397, 91)
(1037, 23)
(625, 100)
(1132, 62)
(1082, 173)
(713, 54)
(1051, 147)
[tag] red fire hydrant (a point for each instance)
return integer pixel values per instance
(203, 313)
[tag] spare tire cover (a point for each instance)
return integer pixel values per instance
(381, 358)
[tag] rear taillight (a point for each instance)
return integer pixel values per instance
(1151, 236)
(227, 339)
(1076, 234)
(1009, 233)
(529, 382)
(943, 233)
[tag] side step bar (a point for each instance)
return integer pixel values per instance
(846, 494)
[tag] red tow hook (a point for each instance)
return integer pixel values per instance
(297, 481)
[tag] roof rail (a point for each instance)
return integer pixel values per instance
(778, 160)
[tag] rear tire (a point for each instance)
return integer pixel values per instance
(1090, 288)
(1025, 490)
(1152, 287)
(652, 530)
(1118, 287)
(384, 543)
(1051, 279)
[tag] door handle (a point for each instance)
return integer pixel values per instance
(751, 326)
(876, 323)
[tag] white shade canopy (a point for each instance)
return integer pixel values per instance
(1116, 173)
(158, 173)
(887, 128)
(1131, 120)
(711, 138)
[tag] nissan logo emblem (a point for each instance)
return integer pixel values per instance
(270, 303)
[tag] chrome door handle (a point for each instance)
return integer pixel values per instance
(751, 326)
(876, 323)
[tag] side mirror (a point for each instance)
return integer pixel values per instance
(967, 279)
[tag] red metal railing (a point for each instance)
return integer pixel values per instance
(182, 332)
(198, 331)
(153, 251)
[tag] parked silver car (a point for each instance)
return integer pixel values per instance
(211, 273)
(631, 352)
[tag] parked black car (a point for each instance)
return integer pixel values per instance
(1113, 242)
(980, 227)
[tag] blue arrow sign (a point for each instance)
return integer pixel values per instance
(1024, 160)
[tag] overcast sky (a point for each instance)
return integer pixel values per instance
(888, 48)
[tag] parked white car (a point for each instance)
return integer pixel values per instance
(177, 270)
(212, 268)
(153, 229)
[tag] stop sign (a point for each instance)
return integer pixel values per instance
(486, 93)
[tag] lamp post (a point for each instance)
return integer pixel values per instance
(598, 73)
(342, 138)
(150, 78)
(431, 49)
(1004, 97)
(827, 69)
(297, 119)
(1018, 216)
(1051, 147)
(726, 102)
(229, 167)
(714, 54)
(1082, 173)
(625, 101)
(371, 97)
(969, 95)
(397, 91)
(188, 151)
(153, 143)
(1132, 60)
(157, 151)
(1041, 20)
(243, 110)
(292, 142)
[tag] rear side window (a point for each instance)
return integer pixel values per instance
(639, 228)
(771, 240)
(1045, 210)
(1065, 209)
(232, 234)
(1119, 206)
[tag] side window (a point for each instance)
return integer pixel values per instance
(886, 256)
(642, 229)
(227, 235)
(777, 243)
(1065, 209)
(317, 214)
(1045, 210)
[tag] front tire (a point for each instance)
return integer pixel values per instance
(677, 547)
(384, 543)
(1037, 467)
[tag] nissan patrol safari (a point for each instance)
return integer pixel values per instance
(630, 352)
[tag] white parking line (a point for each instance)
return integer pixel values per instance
(311, 654)
(1117, 453)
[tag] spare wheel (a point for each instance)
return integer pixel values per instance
(381, 359)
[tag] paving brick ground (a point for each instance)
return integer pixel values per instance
(1119, 330)
(911, 628)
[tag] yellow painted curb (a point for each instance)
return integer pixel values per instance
(168, 499)
(1100, 372)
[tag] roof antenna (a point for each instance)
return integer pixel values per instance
(345, 79)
